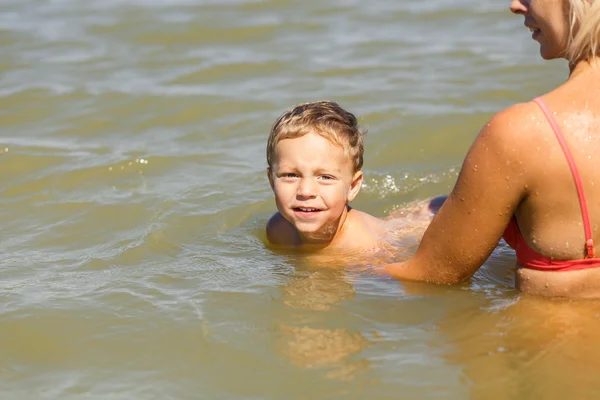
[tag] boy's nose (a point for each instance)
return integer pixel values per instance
(306, 189)
(518, 6)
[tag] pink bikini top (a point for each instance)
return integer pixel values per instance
(527, 257)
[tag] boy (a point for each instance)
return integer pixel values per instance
(315, 156)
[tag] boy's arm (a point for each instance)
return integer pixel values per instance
(280, 231)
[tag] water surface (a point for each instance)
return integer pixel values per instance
(133, 198)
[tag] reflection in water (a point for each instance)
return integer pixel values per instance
(321, 347)
(307, 347)
(321, 290)
(530, 348)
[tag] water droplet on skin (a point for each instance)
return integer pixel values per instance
(546, 284)
(475, 168)
(567, 245)
(534, 241)
(507, 178)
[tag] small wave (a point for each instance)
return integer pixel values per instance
(406, 182)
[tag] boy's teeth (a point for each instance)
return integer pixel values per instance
(307, 209)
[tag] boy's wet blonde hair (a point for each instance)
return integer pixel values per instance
(325, 118)
(584, 35)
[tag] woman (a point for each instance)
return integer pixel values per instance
(532, 174)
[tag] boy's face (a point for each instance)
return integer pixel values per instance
(313, 182)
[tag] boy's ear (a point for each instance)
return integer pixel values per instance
(270, 178)
(355, 185)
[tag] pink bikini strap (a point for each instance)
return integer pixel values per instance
(589, 242)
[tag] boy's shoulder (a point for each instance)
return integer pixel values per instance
(363, 230)
(281, 232)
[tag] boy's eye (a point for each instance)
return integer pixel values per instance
(327, 177)
(288, 175)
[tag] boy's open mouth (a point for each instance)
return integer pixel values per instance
(306, 209)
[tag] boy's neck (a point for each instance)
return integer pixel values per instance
(328, 239)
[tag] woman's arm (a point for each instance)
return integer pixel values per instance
(468, 226)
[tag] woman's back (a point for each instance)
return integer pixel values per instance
(550, 217)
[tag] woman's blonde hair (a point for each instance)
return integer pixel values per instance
(584, 35)
(325, 118)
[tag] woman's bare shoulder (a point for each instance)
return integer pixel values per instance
(512, 122)
(512, 134)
